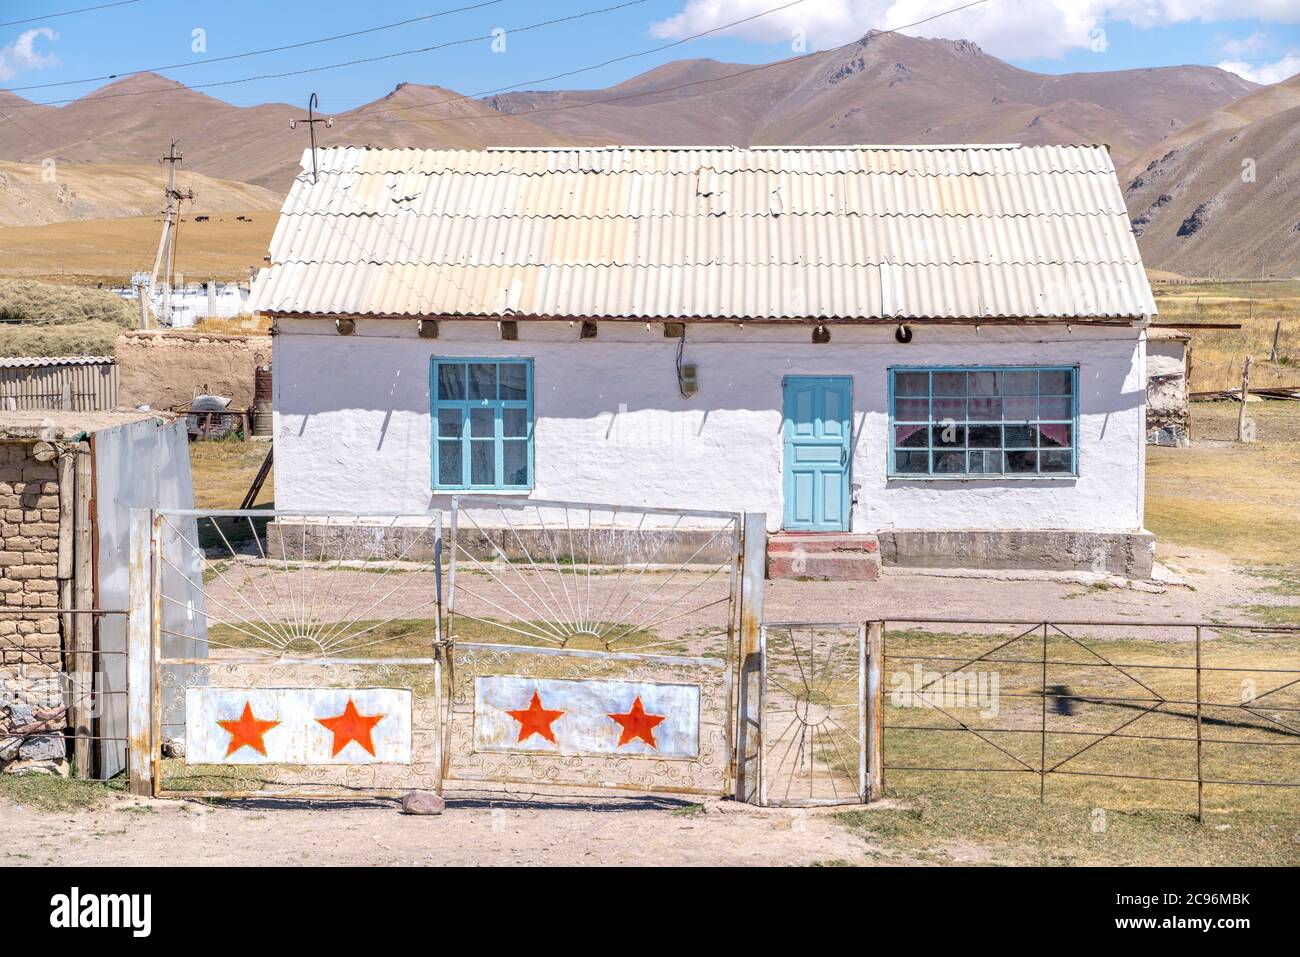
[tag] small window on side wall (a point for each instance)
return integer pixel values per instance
(482, 424)
(985, 421)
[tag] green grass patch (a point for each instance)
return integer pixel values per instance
(50, 793)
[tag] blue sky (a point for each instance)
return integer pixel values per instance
(1261, 37)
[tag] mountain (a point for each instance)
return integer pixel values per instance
(885, 88)
(133, 120)
(1220, 198)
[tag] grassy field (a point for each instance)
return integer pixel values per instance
(1239, 499)
(224, 470)
(1218, 354)
(111, 250)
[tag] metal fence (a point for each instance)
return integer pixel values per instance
(1141, 704)
(74, 383)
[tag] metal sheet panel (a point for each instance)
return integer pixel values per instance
(797, 233)
(297, 726)
(562, 716)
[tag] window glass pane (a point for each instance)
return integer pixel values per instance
(1056, 461)
(911, 383)
(910, 436)
(449, 423)
(983, 383)
(912, 410)
(1019, 408)
(483, 380)
(912, 463)
(1056, 435)
(948, 436)
(1055, 407)
(985, 410)
(514, 423)
(985, 462)
(482, 463)
(985, 436)
(1020, 382)
(1056, 381)
(449, 463)
(514, 381)
(954, 409)
(514, 459)
(949, 383)
(482, 423)
(1021, 462)
(1021, 437)
(949, 462)
(451, 380)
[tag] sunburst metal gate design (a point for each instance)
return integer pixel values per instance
(591, 645)
(814, 724)
(295, 653)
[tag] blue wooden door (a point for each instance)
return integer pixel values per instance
(818, 434)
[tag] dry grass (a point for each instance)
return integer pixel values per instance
(224, 470)
(1218, 354)
(1241, 500)
(41, 319)
(112, 249)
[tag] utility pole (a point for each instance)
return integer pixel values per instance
(167, 242)
(311, 119)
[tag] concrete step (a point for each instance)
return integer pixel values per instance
(835, 556)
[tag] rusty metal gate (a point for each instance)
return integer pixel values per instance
(292, 654)
(591, 645)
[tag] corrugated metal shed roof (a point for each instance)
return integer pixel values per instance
(687, 233)
(33, 362)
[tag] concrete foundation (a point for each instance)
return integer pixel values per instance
(317, 541)
(1128, 554)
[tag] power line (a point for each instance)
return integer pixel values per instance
(240, 56)
(664, 89)
(68, 13)
(585, 69)
(360, 60)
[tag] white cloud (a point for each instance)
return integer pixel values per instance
(1251, 46)
(1274, 72)
(22, 55)
(1005, 28)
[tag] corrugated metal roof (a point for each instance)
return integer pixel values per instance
(32, 362)
(813, 233)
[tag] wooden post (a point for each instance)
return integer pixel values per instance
(1277, 334)
(1200, 777)
(83, 633)
(139, 656)
(749, 743)
(875, 711)
(1245, 393)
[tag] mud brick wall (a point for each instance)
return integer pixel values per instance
(30, 644)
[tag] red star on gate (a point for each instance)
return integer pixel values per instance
(247, 731)
(352, 726)
(638, 725)
(535, 719)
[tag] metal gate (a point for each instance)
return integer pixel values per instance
(814, 714)
(311, 654)
(292, 654)
(591, 645)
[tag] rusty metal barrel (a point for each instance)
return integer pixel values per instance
(262, 400)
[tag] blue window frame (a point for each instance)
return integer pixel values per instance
(482, 423)
(983, 421)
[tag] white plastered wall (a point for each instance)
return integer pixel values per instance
(352, 418)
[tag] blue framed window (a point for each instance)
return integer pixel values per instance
(1000, 421)
(482, 423)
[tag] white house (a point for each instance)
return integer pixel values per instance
(936, 349)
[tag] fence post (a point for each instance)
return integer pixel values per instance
(139, 655)
(749, 744)
(1200, 778)
(875, 709)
